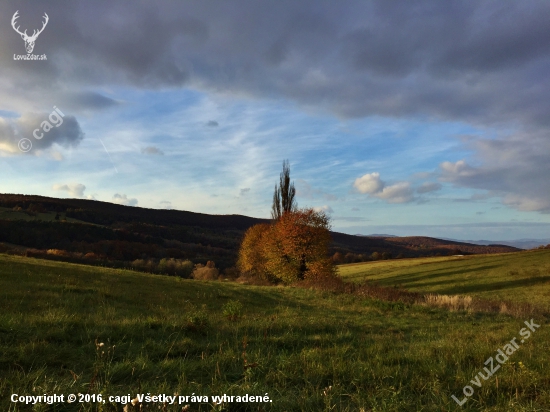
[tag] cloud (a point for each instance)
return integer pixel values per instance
(87, 100)
(355, 209)
(212, 123)
(43, 130)
(123, 200)
(325, 208)
(457, 169)
(398, 193)
(527, 203)
(152, 150)
(481, 62)
(514, 168)
(74, 190)
(166, 204)
(369, 183)
(428, 187)
(244, 191)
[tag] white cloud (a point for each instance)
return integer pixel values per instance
(75, 189)
(458, 169)
(369, 183)
(40, 132)
(526, 204)
(398, 193)
(123, 200)
(325, 208)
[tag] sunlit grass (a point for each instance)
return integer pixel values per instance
(309, 350)
(519, 277)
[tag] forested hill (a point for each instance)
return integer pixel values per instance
(104, 213)
(107, 233)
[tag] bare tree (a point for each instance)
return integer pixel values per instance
(283, 197)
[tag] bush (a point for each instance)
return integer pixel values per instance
(208, 272)
(232, 309)
(198, 320)
(173, 267)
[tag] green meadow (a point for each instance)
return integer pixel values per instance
(70, 329)
(519, 277)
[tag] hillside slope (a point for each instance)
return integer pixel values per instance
(114, 234)
(68, 328)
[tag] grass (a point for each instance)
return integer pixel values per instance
(519, 277)
(308, 350)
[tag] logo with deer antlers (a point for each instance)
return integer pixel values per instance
(29, 40)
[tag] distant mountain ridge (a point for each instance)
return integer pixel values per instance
(517, 243)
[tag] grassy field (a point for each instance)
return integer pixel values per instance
(68, 328)
(520, 277)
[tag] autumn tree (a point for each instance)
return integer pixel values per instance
(284, 195)
(252, 260)
(296, 247)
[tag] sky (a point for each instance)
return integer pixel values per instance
(405, 118)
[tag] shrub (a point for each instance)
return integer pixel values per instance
(232, 309)
(453, 303)
(208, 272)
(198, 320)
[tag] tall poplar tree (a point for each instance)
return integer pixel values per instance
(284, 196)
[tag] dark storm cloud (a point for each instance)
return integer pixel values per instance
(452, 60)
(90, 100)
(42, 129)
(484, 63)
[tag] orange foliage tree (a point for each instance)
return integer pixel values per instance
(294, 247)
(252, 260)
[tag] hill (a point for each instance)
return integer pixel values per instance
(90, 231)
(70, 329)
